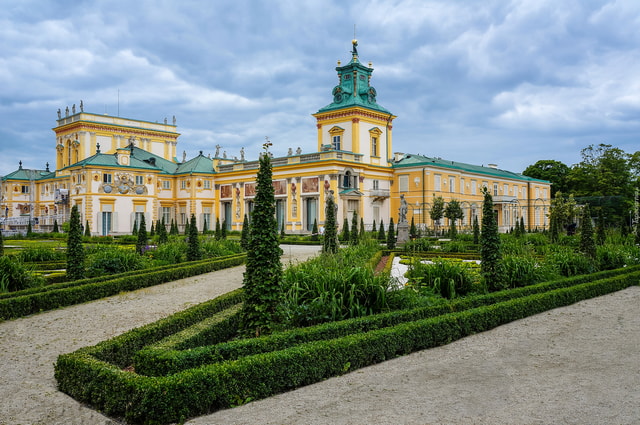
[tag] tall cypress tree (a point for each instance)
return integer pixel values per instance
(223, 229)
(361, 233)
(262, 293)
(55, 227)
(75, 250)
(162, 232)
(134, 231)
(490, 245)
(413, 231)
(87, 230)
(353, 234)
(381, 233)
(218, 232)
(391, 236)
(1, 244)
(152, 230)
(600, 233)
(476, 231)
(374, 230)
(587, 243)
(193, 247)
(314, 230)
(345, 231)
(141, 243)
(245, 235)
(330, 243)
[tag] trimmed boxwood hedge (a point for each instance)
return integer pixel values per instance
(164, 359)
(64, 294)
(94, 375)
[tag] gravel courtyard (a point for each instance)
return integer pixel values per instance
(574, 365)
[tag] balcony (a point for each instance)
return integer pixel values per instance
(503, 199)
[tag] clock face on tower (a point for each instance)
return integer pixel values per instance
(337, 94)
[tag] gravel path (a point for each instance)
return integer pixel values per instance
(579, 364)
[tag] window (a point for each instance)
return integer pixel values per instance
(25, 189)
(374, 146)
(335, 143)
(207, 184)
(461, 185)
(403, 182)
(139, 180)
(183, 184)
(452, 184)
(374, 135)
(183, 215)
(166, 214)
(106, 178)
(166, 184)
(473, 187)
(437, 182)
(376, 185)
(336, 137)
(505, 189)
(206, 218)
(495, 189)
(544, 193)
(537, 192)
(311, 213)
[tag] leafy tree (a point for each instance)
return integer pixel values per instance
(75, 250)
(193, 247)
(436, 212)
(391, 235)
(381, 233)
(476, 230)
(134, 231)
(587, 243)
(563, 211)
(604, 170)
(453, 211)
(141, 243)
(490, 245)
(345, 231)
(87, 229)
(553, 171)
(245, 235)
(353, 235)
(262, 293)
(330, 243)
(55, 227)
(162, 232)
(413, 232)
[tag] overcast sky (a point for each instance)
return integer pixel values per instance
(492, 81)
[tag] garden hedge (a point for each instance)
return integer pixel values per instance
(35, 300)
(95, 375)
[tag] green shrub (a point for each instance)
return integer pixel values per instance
(212, 248)
(14, 276)
(610, 257)
(112, 259)
(172, 252)
(39, 254)
(523, 271)
(569, 263)
(447, 277)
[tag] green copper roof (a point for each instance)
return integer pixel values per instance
(413, 160)
(199, 164)
(354, 88)
(26, 174)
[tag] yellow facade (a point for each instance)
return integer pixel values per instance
(116, 169)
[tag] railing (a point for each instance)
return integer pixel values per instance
(293, 159)
(380, 193)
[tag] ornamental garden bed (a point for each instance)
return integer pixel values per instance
(187, 365)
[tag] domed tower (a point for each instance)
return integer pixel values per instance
(354, 121)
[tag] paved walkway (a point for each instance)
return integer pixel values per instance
(574, 365)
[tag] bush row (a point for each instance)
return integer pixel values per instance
(182, 354)
(80, 282)
(192, 392)
(24, 305)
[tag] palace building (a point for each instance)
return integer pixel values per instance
(117, 169)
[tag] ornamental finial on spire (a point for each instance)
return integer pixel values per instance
(354, 52)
